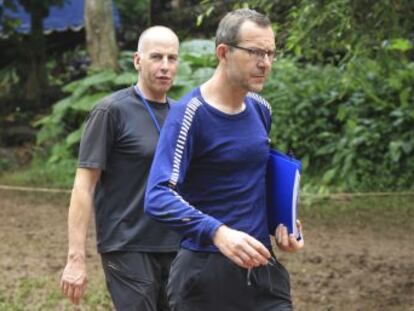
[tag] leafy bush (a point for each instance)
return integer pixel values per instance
(350, 125)
(197, 63)
(60, 131)
(337, 30)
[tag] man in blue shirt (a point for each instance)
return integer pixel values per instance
(207, 181)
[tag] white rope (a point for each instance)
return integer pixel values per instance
(342, 195)
(346, 195)
(34, 189)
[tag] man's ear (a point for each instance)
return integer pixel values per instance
(137, 61)
(221, 52)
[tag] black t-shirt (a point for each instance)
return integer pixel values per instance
(120, 139)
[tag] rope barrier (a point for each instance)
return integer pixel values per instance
(34, 189)
(348, 195)
(343, 195)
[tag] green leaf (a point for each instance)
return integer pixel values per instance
(400, 44)
(298, 50)
(198, 46)
(199, 20)
(305, 162)
(405, 96)
(75, 136)
(342, 113)
(126, 79)
(59, 152)
(183, 74)
(351, 125)
(408, 146)
(209, 11)
(347, 164)
(87, 102)
(58, 111)
(97, 80)
(48, 132)
(395, 150)
(329, 176)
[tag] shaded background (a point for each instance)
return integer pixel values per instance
(341, 89)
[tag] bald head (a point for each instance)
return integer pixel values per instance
(156, 61)
(156, 33)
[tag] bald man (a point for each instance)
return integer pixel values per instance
(115, 156)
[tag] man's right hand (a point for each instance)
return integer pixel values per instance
(241, 248)
(74, 279)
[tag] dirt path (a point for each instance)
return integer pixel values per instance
(358, 255)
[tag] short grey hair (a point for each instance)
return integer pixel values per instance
(229, 26)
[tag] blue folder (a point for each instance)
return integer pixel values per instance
(282, 187)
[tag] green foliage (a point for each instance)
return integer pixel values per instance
(350, 125)
(268, 7)
(337, 30)
(61, 130)
(67, 65)
(8, 77)
(342, 93)
(67, 112)
(345, 100)
(129, 10)
(208, 8)
(197, 63)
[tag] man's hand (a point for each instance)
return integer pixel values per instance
(74, 279)
(288, 242)
(241, 248)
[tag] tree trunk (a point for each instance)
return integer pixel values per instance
(35, 75)
(100, 34)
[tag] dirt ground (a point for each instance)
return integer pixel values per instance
(359, 254)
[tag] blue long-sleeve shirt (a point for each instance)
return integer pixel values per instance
(209, 169)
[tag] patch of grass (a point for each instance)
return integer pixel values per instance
(377, 211)
(42, 174)
(43, 294)
(98, 298)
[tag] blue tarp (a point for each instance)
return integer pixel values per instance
(61, 18)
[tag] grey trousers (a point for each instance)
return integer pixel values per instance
(137, 281)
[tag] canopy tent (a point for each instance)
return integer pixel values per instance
(69, 16)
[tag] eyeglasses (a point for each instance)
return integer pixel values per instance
(258, 54)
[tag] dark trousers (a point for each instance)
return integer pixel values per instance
(137, 281)
(211, 282)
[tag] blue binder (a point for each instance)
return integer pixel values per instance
(282, 183)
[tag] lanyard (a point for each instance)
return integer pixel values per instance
(151, 113)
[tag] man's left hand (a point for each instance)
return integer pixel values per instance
(289, 242)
